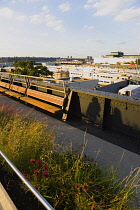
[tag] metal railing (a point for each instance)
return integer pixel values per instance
(27, 183)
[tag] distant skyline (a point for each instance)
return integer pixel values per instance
(77, 28)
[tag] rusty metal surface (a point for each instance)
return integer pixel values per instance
(107, 112)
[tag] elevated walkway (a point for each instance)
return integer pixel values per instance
(102, 151)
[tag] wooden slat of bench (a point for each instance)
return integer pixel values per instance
(2, 89)
(4, 84)
(18, 89)
(13, 94)
(41, 104)
(46, 97)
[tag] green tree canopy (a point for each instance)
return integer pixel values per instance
(138, 61)
(27, 68)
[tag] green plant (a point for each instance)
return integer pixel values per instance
(67, 179)
(22, 138)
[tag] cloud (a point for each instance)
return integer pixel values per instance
(95, 41)
(45, 9)
(64, 7)
(128, 14)
(89, 27)
(55, 23)
(36, 19)
(109, 7)
(49, 19)
(21, 18)
(6, 12)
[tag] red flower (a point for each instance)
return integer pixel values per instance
(77, 186)
(45, 167)
(37, 187)
(33, 161)
(26, 176)
(45, 175)
(36, 171)
(38, 161)
(97, 190)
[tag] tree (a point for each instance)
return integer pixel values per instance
(27, 68)
(42, 71)
(138, 61)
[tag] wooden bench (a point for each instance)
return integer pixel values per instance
(42, 105)
(2, 90)
(5, 85)
(18, 89)
(48, 102)
(57, 100)
(13, 94)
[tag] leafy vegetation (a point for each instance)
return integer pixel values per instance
(27, 68)
(68, 180)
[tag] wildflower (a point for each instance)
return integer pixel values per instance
(37, 187)
(45, 175)
(77, 186)
(45, 168)
(36, 171)
(97, 190)
(33, 161)
(26, 176)
(85, 187)
(38, 161)
(35, 175)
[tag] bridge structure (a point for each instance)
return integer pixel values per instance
(102, 107)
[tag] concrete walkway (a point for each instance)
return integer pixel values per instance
(97, 148)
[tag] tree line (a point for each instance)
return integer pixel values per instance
(27, 67)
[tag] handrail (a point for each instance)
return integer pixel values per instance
(32, 77)
(27, 183)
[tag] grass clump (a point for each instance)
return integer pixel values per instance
(22, 138)
(68, 180)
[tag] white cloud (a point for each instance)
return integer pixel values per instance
(48, 19)
(45, 9)
(90, 1)
(55, 23)
(128, 14)
(64, 7)
(87, 6)
(104, 7)
(89, 27)
(6, 12)
(21, 18)
(13, 2)
(108, 7)
(36, 19)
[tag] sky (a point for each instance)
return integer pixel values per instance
(77, 28)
